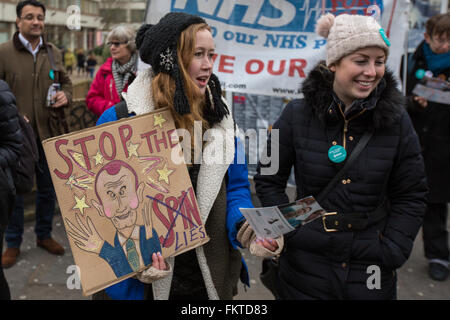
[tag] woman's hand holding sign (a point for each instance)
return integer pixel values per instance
(158, 261)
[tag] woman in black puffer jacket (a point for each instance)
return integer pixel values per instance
(343, 98)
(10, 145)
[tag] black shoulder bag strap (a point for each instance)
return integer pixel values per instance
(353, 156)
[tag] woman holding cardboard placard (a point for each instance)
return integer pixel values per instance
(180, 49)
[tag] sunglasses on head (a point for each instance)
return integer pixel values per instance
(116, 43)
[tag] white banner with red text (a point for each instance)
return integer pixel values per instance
(267, 47)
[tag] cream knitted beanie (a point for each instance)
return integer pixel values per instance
(347, 33)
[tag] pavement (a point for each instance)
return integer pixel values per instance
(77, 78)
(39, 275)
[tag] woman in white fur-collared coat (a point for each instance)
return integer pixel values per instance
(181, 78)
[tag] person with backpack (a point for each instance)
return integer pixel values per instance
(36, 100)
(222, 187)
(10, 147)
(117, 73)
(353, 147)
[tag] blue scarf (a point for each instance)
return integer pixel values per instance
(437, 63)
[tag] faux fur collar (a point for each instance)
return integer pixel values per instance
(385, 102)
(139, 96)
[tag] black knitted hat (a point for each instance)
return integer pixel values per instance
(157, 45)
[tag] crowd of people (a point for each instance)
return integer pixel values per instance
(84, 64)
(391, 180)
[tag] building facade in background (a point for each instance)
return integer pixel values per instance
(56, 21)
(116, 12)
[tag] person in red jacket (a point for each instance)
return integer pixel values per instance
(116, 73)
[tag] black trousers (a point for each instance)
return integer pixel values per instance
(435, 234)
(4, 288)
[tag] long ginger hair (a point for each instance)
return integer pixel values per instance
(163, 85)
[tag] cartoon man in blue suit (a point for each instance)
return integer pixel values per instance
(119, 195)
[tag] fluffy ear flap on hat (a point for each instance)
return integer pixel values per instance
(324, 25)
(215, 109)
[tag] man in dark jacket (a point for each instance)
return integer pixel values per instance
(432, 123)
(25, 65)
(10, 145)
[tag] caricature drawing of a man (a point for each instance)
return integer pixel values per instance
(119, 195)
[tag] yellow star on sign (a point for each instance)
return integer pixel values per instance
(164, 174)
(132, 149)
(80, 204)
(158, 120)
(98, 158)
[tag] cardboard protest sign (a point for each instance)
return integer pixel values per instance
(123, 195)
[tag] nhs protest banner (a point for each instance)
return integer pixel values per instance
(124, 194)
(267, 47)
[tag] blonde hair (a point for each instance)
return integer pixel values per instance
(163, 85)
